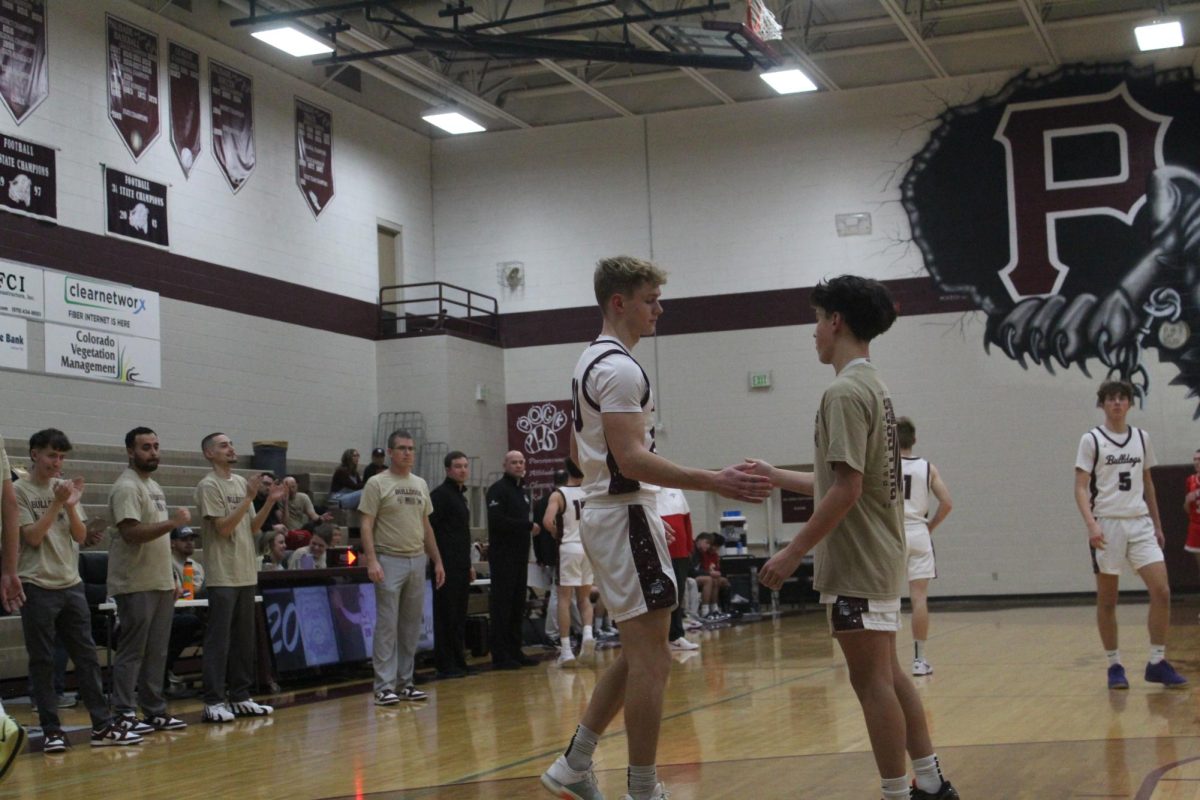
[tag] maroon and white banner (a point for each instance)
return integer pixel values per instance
(133, 84)
(183, 89)
(28, 184)
(314, 155)
(24, 63)
(136, 208)
(231, 93)
(542, 431)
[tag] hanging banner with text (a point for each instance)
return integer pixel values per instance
(14, 337)
(24, 63)
(28, 184)
(86, 303)
(133, 84)
(183, 88)
(314, 155)
(542, 431)
(100, 356)
(231, 95)
(135, 208)
(21, 290)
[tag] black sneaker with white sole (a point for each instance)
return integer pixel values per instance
(54, 742)
(134, 725)
(412, 693)
(386, 697)
(165, 722)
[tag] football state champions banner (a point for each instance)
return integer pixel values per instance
(232, 110)
(22, 291)
(14, 337)
(183, 90)
(133, 85)
(1066, 205)
(314, 155)
(28, 183)
(100, 356)
(542, 431)
(24, 62)
(135, 208)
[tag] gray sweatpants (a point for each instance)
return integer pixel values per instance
(141, 659)
(228, 644)
(399, 601)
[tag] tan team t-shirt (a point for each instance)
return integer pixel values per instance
(399, 506)
(298, 510)
(142, 567)
(864, 555)
(233, 560)
(54, 564)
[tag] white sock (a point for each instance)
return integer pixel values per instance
(642, 781)
(705, 609)
(1114, 657)
(895, 788)
(580, 750)
(2, 714)
(587, 631)
(919, 649)
(1157, 653)
(929, 773)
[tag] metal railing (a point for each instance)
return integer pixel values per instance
(410, 309)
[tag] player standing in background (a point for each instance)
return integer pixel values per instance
(1116, 499)
(921, 479)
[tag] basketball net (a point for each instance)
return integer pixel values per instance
(762, 22)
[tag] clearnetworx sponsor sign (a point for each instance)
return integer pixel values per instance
(100, 356)
(104, 306)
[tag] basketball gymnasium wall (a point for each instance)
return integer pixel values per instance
(245, 373)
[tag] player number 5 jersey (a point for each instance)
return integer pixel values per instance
(1116, 463)
(607, 379)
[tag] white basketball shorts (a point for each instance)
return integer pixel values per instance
(849, 614)
(919, 551)
(628, 550)
(574, 569)
(1126, 539)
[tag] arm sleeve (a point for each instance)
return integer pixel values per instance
(209, 500)
(1085, 457)
(24, 508)
(428, 500)
(1151, 461)
(369, 502)
(123, 504)
(619, 386)
(847, 426)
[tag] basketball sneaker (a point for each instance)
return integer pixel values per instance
(1164, 673)
(249, 708)
(921, 667)
(682, 643)
(165, 722)
(1116, 677)
(566, 660)
(54, 742)
(386, 697)
(565, 783)
(12, 741)
(218, 712)
(944, 792)
(412, 693)
(587, 651)
(660, 793)
(114, 734)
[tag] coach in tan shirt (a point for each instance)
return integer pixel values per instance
(140, 580)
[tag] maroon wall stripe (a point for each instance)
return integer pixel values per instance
(194, 281)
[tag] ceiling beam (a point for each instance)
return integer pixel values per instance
(1034, 15)
(914, 37)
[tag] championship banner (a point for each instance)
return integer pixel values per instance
(314, 155)
(111, 307)
(14, 336)
(28, 183)
(22, 293)
(183, 89)
(100, 356)
(542, 431)
(24, 62)
(232, 111)
(133, 84)
(135, 208)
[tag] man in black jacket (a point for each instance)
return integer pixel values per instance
(451, 521)
(509, 532)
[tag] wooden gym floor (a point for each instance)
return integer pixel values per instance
(1018, 707)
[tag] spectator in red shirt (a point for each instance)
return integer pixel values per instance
(706, 569)
(677, 518)
(1191, 504)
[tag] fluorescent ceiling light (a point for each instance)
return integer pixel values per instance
(1159, 34)
(452, 122)
(293, 41)
(788, 81)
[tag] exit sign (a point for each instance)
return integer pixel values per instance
(760, 380)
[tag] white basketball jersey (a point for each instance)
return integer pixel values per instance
(568, 518)
(608, 379)
(918, 481)
(1116, 463)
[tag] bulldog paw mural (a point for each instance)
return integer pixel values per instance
(1067, 206)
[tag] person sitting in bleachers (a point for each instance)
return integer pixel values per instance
(274, 520)
(706, 569)
(273, 551)
(298, 510)
(312, 555)
(378, 464)
(345, 487)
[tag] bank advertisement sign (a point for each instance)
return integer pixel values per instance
(14, 338)
(87, 303)
(21, 290)
(100, 356)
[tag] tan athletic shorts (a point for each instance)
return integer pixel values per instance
(847, 614)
